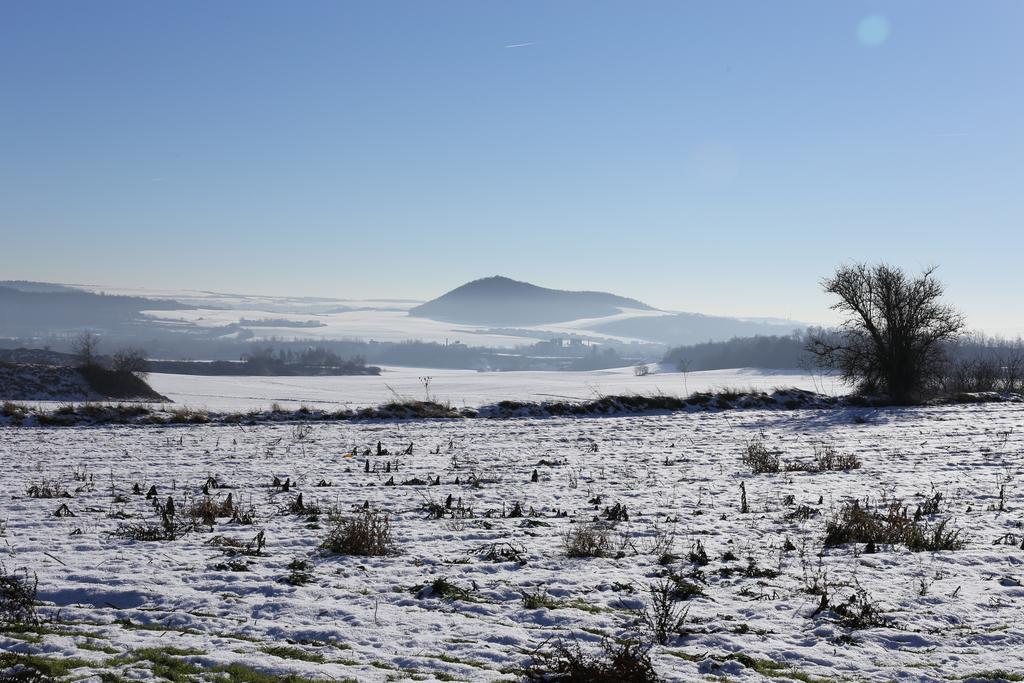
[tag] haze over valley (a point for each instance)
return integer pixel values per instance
(493, 312)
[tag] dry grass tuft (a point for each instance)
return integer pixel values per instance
(759, 458)
(366, 533)
(622, 662)
(826, 459)
(589, 539)
(890, 524)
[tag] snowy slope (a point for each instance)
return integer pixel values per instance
(29, 382)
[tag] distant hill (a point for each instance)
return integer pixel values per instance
(506, 302)
(35, 308)
(30, 286)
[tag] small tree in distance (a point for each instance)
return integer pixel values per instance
(894, 330)
(85, 347)
(131, 360)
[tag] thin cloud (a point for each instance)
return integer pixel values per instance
(519, 45)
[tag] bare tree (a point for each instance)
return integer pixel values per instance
(684, 367)
(85, 347)
(131, 360)
(981, 364)
(1013, 370)
(894, 330)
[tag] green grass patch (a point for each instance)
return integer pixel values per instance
(286, 652)
(992, 675)
(98, 647)
(239, 673)
(47, 668)
(765, 667)
(166, 662)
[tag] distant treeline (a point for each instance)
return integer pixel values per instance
(289, 358)
(265, 361)
(976, 363)
(460, 356)
(980, 363)
(279, 322)
(189, 354)
(763, 351)
(269, 361)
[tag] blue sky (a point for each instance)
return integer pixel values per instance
(719, 157)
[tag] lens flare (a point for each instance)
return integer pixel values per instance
(873, 30)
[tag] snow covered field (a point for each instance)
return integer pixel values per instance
(464, 387)
(214, 599)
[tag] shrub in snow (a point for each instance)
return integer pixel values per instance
(890, 524)
(625, 662)
(367, 533)
(759, 458)
(588, 540)
(17, 597)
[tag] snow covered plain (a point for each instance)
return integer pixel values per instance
(202, 602)
(465, 387)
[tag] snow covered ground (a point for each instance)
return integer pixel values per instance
(204, 602)
(464, 387)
